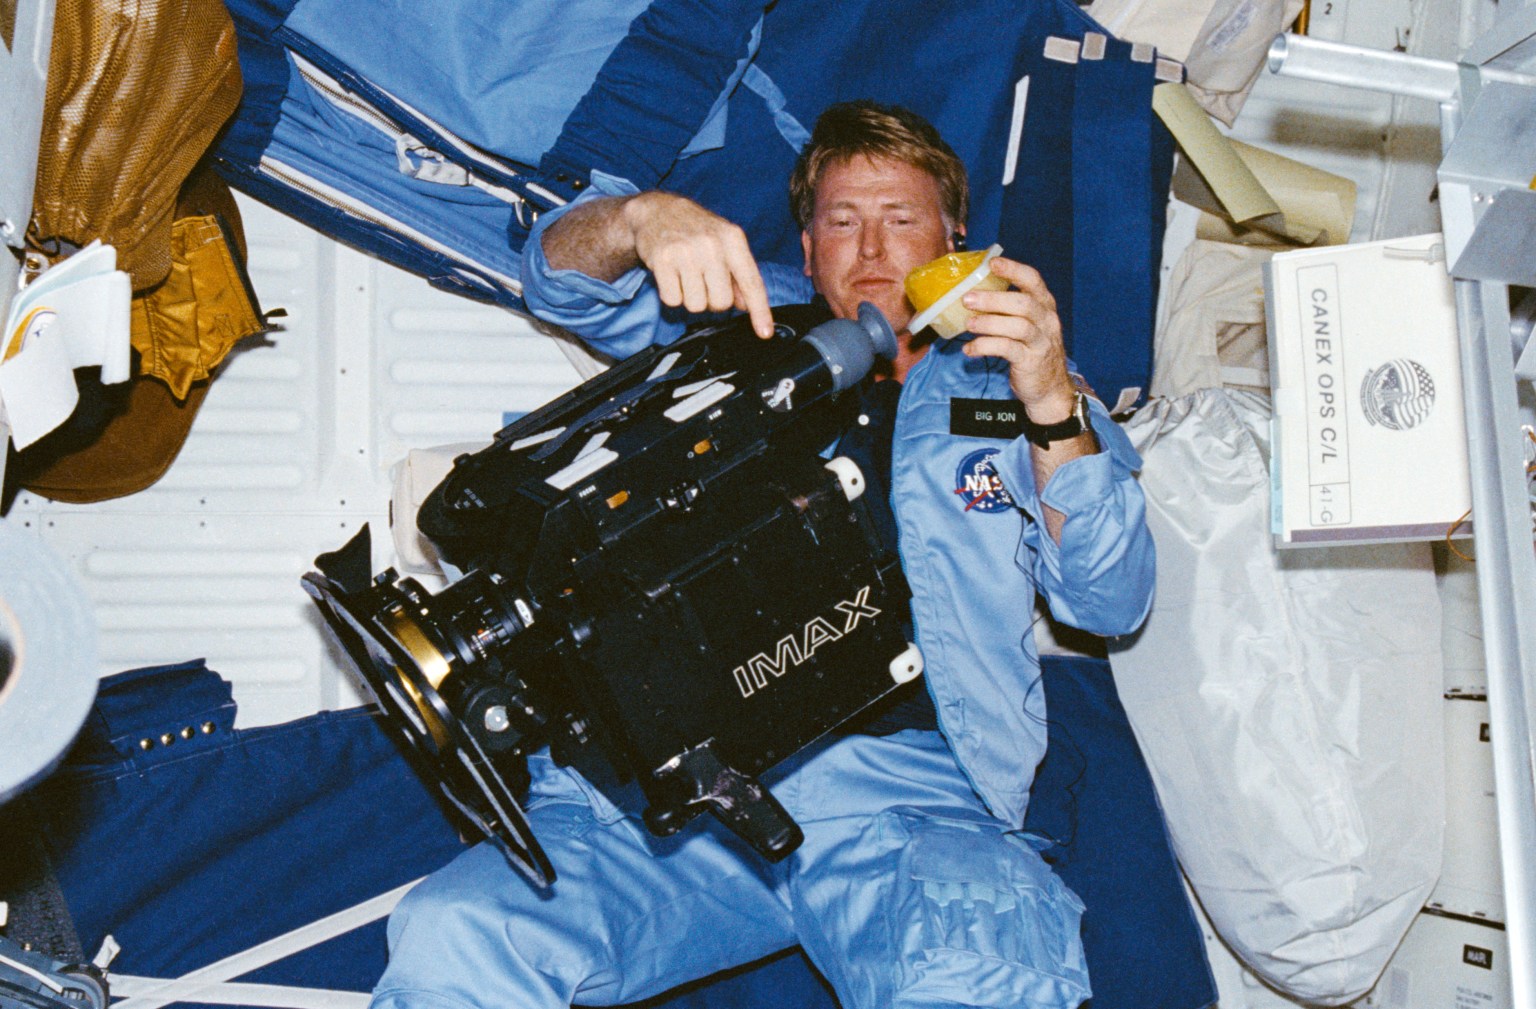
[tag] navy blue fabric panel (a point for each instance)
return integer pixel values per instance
(746, 180)
(779, 982)
(683, 49)
(126, 723)
(1113, 288)
(1037, 206)
(205, 850)
(264, 71)
(916, 55)
(189, 852)
(1094, 229)
(259, 17)
(1094, 797)
(818, 54)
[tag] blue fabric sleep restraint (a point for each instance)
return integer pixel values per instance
(711, 100)
(1091, 174)
(191, 850)
(422, 75)
(1118, 225)
(912, 54)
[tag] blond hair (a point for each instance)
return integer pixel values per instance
(850, 129)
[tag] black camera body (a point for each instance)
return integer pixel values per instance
(660, 571)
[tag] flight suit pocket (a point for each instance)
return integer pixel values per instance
(993, 926)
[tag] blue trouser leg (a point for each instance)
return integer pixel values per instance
(905, 894)
(630, 915)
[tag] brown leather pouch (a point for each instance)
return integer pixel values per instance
(122, 438)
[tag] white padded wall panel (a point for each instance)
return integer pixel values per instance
(1341, 132)
(220, 586)
(447, 370)
(289, 456)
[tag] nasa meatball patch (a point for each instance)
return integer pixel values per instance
(978, 486)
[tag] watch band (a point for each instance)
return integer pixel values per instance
(1076, 423)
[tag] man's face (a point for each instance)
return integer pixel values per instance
(876, 220)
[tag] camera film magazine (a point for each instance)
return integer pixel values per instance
(1369, 432)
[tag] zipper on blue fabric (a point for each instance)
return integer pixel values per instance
(341, 84)
(475, 272)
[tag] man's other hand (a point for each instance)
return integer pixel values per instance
(700, 260)
(1021, 326)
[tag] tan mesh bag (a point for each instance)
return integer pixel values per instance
(137, 89)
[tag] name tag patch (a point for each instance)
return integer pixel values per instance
(986, 418)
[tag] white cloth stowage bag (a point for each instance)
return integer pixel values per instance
(1289, 706)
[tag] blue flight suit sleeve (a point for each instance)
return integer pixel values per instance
(1100, 577)
(618, 318)
(625, 316)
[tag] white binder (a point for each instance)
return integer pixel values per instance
(1369, 432)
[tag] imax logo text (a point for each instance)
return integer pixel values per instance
(795, 649)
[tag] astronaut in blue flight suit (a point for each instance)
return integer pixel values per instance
(913, 887)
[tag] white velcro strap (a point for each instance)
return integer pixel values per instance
(239, 993)
(158, 993)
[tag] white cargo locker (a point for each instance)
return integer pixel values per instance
(1471, 883)
(1447, 962)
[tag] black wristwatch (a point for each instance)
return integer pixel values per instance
(1075, 424)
